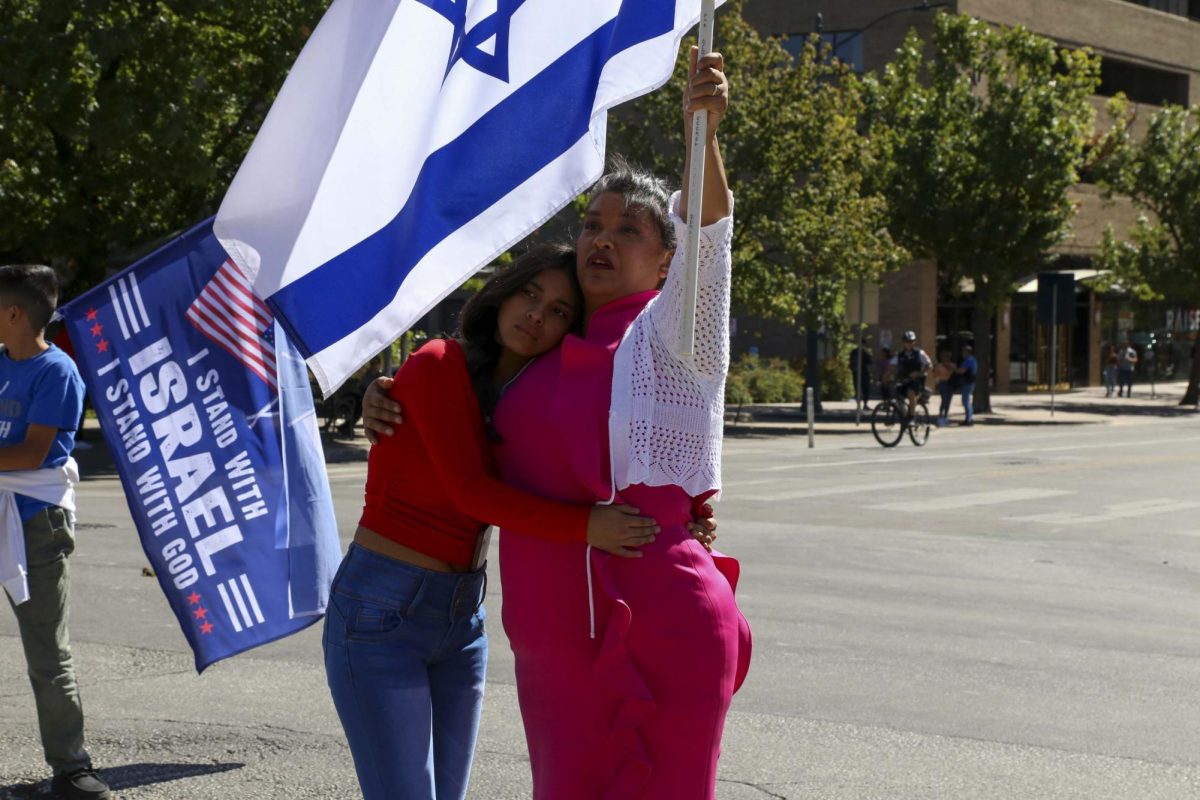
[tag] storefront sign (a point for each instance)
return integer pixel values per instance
(1182, 320)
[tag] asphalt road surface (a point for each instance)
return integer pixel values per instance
(1010, 612)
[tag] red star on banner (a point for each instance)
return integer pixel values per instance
(96, 329)
(102, 346)
(200, 613)
(91, 315)
(206, 627)
(193, 599)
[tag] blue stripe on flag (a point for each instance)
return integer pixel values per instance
(557, 104)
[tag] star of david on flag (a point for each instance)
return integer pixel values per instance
(469, 47)
(416, 140)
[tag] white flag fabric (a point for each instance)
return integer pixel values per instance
(415, 140)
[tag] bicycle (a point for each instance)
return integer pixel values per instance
(890, 420)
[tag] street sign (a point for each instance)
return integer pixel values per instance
(862, 303)
(1047, 295)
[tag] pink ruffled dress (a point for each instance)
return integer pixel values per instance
(625, 667)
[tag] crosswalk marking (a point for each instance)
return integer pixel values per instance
(970, 500)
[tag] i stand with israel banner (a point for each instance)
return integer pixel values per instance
(415, 140)
(208, 413)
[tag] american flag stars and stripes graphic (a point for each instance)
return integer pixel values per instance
(241, 604)
(200, 613)
(233, 317)
(128, 306)
(97, 330)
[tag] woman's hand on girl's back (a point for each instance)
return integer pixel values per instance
(379, 412)
(619, 529)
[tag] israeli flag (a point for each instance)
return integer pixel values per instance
(416, 140)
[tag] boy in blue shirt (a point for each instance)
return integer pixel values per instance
(41, 400)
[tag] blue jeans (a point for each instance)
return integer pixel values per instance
(947, 394)
(406, 658)
(968, 394)
(1125, 382)
(1110, 380)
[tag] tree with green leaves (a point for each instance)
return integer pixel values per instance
(986, 128)
(123, 121)
(1161, 174)
(806, 228)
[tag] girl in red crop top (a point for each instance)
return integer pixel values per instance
(405, 649)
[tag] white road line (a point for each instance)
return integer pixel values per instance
(828, 491)
(727, 485)
(972, 454)
(1139, 508)
(975, 499)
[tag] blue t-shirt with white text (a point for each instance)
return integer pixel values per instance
(44, 390)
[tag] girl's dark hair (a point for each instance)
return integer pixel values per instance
(477, 324)
(642, 191)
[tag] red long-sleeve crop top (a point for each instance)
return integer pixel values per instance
(433, 486)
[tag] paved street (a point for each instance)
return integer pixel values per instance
(1011, 612)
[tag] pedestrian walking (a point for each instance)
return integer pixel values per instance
(1127, 359)
(41, 400)
(967, 370)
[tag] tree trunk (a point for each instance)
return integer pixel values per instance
(984, 311)
(1192, 396)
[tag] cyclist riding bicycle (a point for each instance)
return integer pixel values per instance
(912, 365)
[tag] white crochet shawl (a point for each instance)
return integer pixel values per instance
(667, 412)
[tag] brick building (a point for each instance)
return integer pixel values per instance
(1150, 50)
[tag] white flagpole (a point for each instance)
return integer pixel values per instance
(691, 261)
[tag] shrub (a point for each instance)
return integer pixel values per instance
(837, 382)
(736, 391)
(765, 380)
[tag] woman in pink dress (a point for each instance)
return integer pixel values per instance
(626, 667)
(625, 670)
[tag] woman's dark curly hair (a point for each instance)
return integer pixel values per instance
(477, 324)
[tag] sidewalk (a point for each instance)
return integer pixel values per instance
(1087, 406)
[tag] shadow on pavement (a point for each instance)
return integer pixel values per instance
(990, 421)
(1114, 409)
(129, 776)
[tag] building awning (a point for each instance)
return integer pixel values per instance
(1028, 284)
